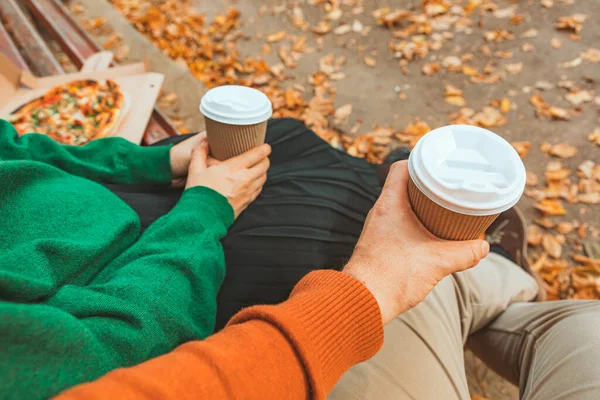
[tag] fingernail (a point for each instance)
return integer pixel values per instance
(485, 247)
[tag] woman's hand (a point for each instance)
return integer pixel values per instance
(181, 156)
(399, 260)
(240, 179)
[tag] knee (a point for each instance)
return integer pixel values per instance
(289, 130)
(580, 321)
(282, 126)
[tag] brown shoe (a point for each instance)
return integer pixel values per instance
(509, 233)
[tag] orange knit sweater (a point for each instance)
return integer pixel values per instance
(295, 350)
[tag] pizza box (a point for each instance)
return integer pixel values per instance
(140, 90)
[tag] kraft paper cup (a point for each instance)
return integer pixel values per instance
(461, 178)
(236, 119)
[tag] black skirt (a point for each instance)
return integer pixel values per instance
(308, 216)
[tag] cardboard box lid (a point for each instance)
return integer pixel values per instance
(18, 87)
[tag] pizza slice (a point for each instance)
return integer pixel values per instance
(73, 113)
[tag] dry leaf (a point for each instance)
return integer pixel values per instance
(431, 69)
(169, 98)
(565, 228)
(357, 26)
(342, 29)
(498, 35)
(551, 246)
(547, 3)
(489, 117)
(532, 179)
(559, 113)
(594, 137)
(121, 52)
(545, 110)
(562, 150)
(573, 23)
(522, 148)
(322, 28)
(334, 15)
(527, 47)
(276, 37)
(469, 71)
(530, 33)
(370, 61)
(592, 55)
(514, 68)
(556, 172)
(451, 90)
(343, 112)
(544, 85)
(394, 17)
(534, 235)
(452, 63)
(505, 105)
(551, 207)
(577, 97)
(545, 222)
(571, 64)
(458, 101)
(112, 42)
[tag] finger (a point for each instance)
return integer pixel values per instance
(259, 169)
(251, 157)
(255, 194)
(258, 183)
(397, 179)
(199, 156)
(464, 255)
(179, 182)
(194, 140)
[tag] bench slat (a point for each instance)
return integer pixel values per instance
(8, 48)
(56, 21)
(32, 47)
(79, 46)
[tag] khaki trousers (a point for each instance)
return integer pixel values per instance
(551, 350)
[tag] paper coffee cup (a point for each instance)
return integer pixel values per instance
(236, 119)
(461, 178)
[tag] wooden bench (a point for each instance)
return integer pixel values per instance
(23, 45)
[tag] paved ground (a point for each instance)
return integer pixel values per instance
(373, 91)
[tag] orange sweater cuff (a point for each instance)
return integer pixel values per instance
(332, 320)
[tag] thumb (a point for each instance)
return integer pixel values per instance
(463, 255)
(199, 156)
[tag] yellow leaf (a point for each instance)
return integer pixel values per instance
(505, 105)
(370, 61)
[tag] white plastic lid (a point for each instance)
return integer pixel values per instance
(236, 105)
(468, 170)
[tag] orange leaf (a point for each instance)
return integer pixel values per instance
(551, 207)
(551, 246)
(534, 235)
(370, 61)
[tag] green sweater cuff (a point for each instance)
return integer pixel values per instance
(145, 164)
(207, 200)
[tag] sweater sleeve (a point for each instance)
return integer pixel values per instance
(295, 350)
(158, 294)
(110, 160)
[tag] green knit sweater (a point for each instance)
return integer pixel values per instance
(81, 291)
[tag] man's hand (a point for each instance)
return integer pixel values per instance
(240, 179)
(399, 260)
(181, 156)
